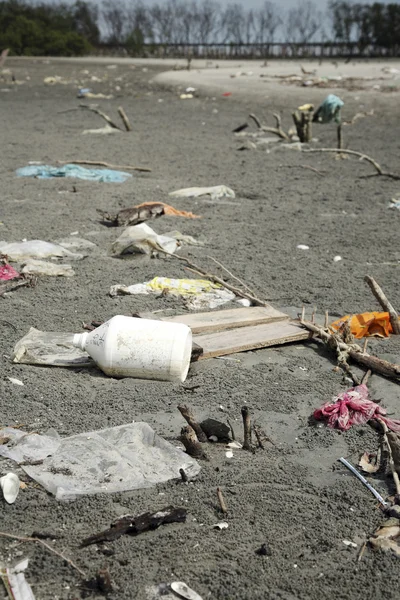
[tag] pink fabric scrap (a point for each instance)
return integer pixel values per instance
(353, 408)
(8, 272)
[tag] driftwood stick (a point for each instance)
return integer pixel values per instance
(253, 299)
(46, 545)
(258, 436)
(246, 429)
(355, 352)
(231, 275)
(362, 156)
(395, 475)
(192, 446)
(190, 418)
(101, 114)
(384, 302)
(183, 475)
(221, 501)
(276, 130)
(124, 118)
(104, 164)
(339, 136)
(366, 377)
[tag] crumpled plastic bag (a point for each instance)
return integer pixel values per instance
(41, 267)
(216, 192)
(197, 293)
(73, 243)
(50, 348)
(19, 251)
(14, 579)
(48, 172)
(142, 238)
(118, 459)
(7, 272)
(329, 110)
(353, 407)
(101, 130)
(366, 324)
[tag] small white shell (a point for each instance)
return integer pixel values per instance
(303, 247)
(229, 454)
(15, 381)
(10, 485)
(184, 591)
(221, 525)
(234, 444)
(337, 258)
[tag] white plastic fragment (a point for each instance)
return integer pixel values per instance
(180, 588)
(221, 525)
(234, 444)
(19, 251)
(337, 258)
(42, 267)
(229, 454)
(216, 192)
(303, 247)
(213, 438)
(15, 381)
(14, 579)
(349, 543)
(101, 131)
(142, 238)
(10, 487)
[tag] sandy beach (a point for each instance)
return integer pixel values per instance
(293, 496)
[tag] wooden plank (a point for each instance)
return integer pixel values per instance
(220, 320)
(249, 338)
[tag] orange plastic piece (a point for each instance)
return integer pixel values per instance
(366, 324)
(170, 210)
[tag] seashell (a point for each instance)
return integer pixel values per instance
(10, 486)
(182, 590)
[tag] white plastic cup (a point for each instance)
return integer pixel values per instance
(141, 348)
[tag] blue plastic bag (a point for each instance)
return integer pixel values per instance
(48, 172)
(329, 110)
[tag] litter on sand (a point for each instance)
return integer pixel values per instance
(171, 591)
(144, 212)
(196, 293)
(74, 243)
(143, 239)
(366, 324)
(7, 272)
(118, 459)
(101, 130)
(14, 581)
(353, 407)
(329, 110)
(216, 192)
(20, 251)
(10, 484)
(41, 267)
(51, 349)
(75, 171)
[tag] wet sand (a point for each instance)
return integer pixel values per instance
(293, 496)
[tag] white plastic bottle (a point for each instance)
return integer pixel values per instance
(142, 348)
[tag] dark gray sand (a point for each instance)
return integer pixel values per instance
(293, 496)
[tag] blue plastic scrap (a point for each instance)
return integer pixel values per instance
(329, 110)
(48, 172)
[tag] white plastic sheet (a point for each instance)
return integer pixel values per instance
(142, 238)
(19, 251)
(216, 192)
(117, 459)
(49, 348)
(42, 267)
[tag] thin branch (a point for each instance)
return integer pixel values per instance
(362, 156)
(46, 545)
(124, 118)
(395, 475)
(232, 275)
(104, 164)
(276, 130)
(359, 115)
(102, 115)
(256, 301)
(384, 302)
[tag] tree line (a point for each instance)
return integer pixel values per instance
(59, 29)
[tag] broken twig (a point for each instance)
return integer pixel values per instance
(276, 130)
(124, 118)
(190, 418)
(46, 545)
(221, 501)
(189, 439)
(101, 114)
(384, 302)
(362, 156)
(395, 475)
(246, 429)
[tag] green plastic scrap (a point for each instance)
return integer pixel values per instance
(329, 110)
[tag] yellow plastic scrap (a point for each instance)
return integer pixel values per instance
(366, 324)
(183, 287)
(306, 107)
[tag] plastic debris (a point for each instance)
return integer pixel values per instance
(303, 247)
(15, 381)
(49, 348)
(14, 581)
(349, 544)
(184, 239)
(216, 192)
(7, 272)
(41, 267)
(184, 591)
(394, 203)
(101, 130)
(145, 212)
(329, 110)
(48, 172)
(337, 258)
(19, 251)
(10, 487)
(366, 324)
(197, 293)
(353, 407)
(186, 96)
(74, 243)
(142, 238)
(221, 525)
(117, 459)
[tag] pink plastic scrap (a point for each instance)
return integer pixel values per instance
(353, 408)
(8, 272)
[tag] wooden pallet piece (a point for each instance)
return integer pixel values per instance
(220, 320)
(249, 338)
